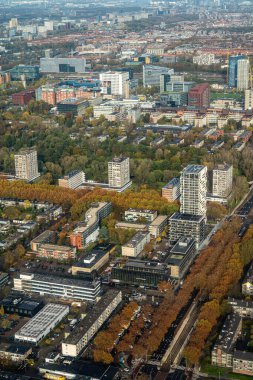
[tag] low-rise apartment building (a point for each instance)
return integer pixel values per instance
(171, 191)
(136, 245)
(89, 326)
(88, 231)
(72, 180)
(222, 352)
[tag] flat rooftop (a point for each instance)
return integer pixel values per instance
(140, 211)
(136, 239)
(90, 217)
(20, 302)
(159, 220)
(178, 216)
(228, 331)
(41, 321)
(44, 235)
(42, 278)
(183, 245)
(172, 183)
(148, 266)
(193, 169)
(83, 326)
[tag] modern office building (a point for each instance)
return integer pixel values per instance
(115, 83)
(174, 99)
(136, 214)
(168, 79)
(26, 164)
(75, 106)
(27, 72)
(140, 272)
(89, 326)
(42, 323)
(222, 352)
(186, 225)
(63, 65)
(222, 180)
(136, 245)
(193, 189)
(152, 74)
(72, 180)
(61, 287)
(96, 259)
(233, 69)
(88, 230)
(181, 257)
(199, 96)
(119, 172)
(171, 191)
(243, 72)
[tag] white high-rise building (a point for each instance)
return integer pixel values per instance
(26, 164)
(248, 99)
(13, 23)
(119, 172)
(243, 68)
(115, 83)
(193, 189)
(222, 180)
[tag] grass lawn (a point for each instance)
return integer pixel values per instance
(222, 372)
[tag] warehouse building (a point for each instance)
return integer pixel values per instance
(89, 326)
(42, 324)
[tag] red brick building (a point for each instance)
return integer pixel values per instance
(23, 98)
(199, 96)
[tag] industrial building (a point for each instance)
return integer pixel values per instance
(42, 323)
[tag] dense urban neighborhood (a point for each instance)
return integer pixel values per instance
(126, 190)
